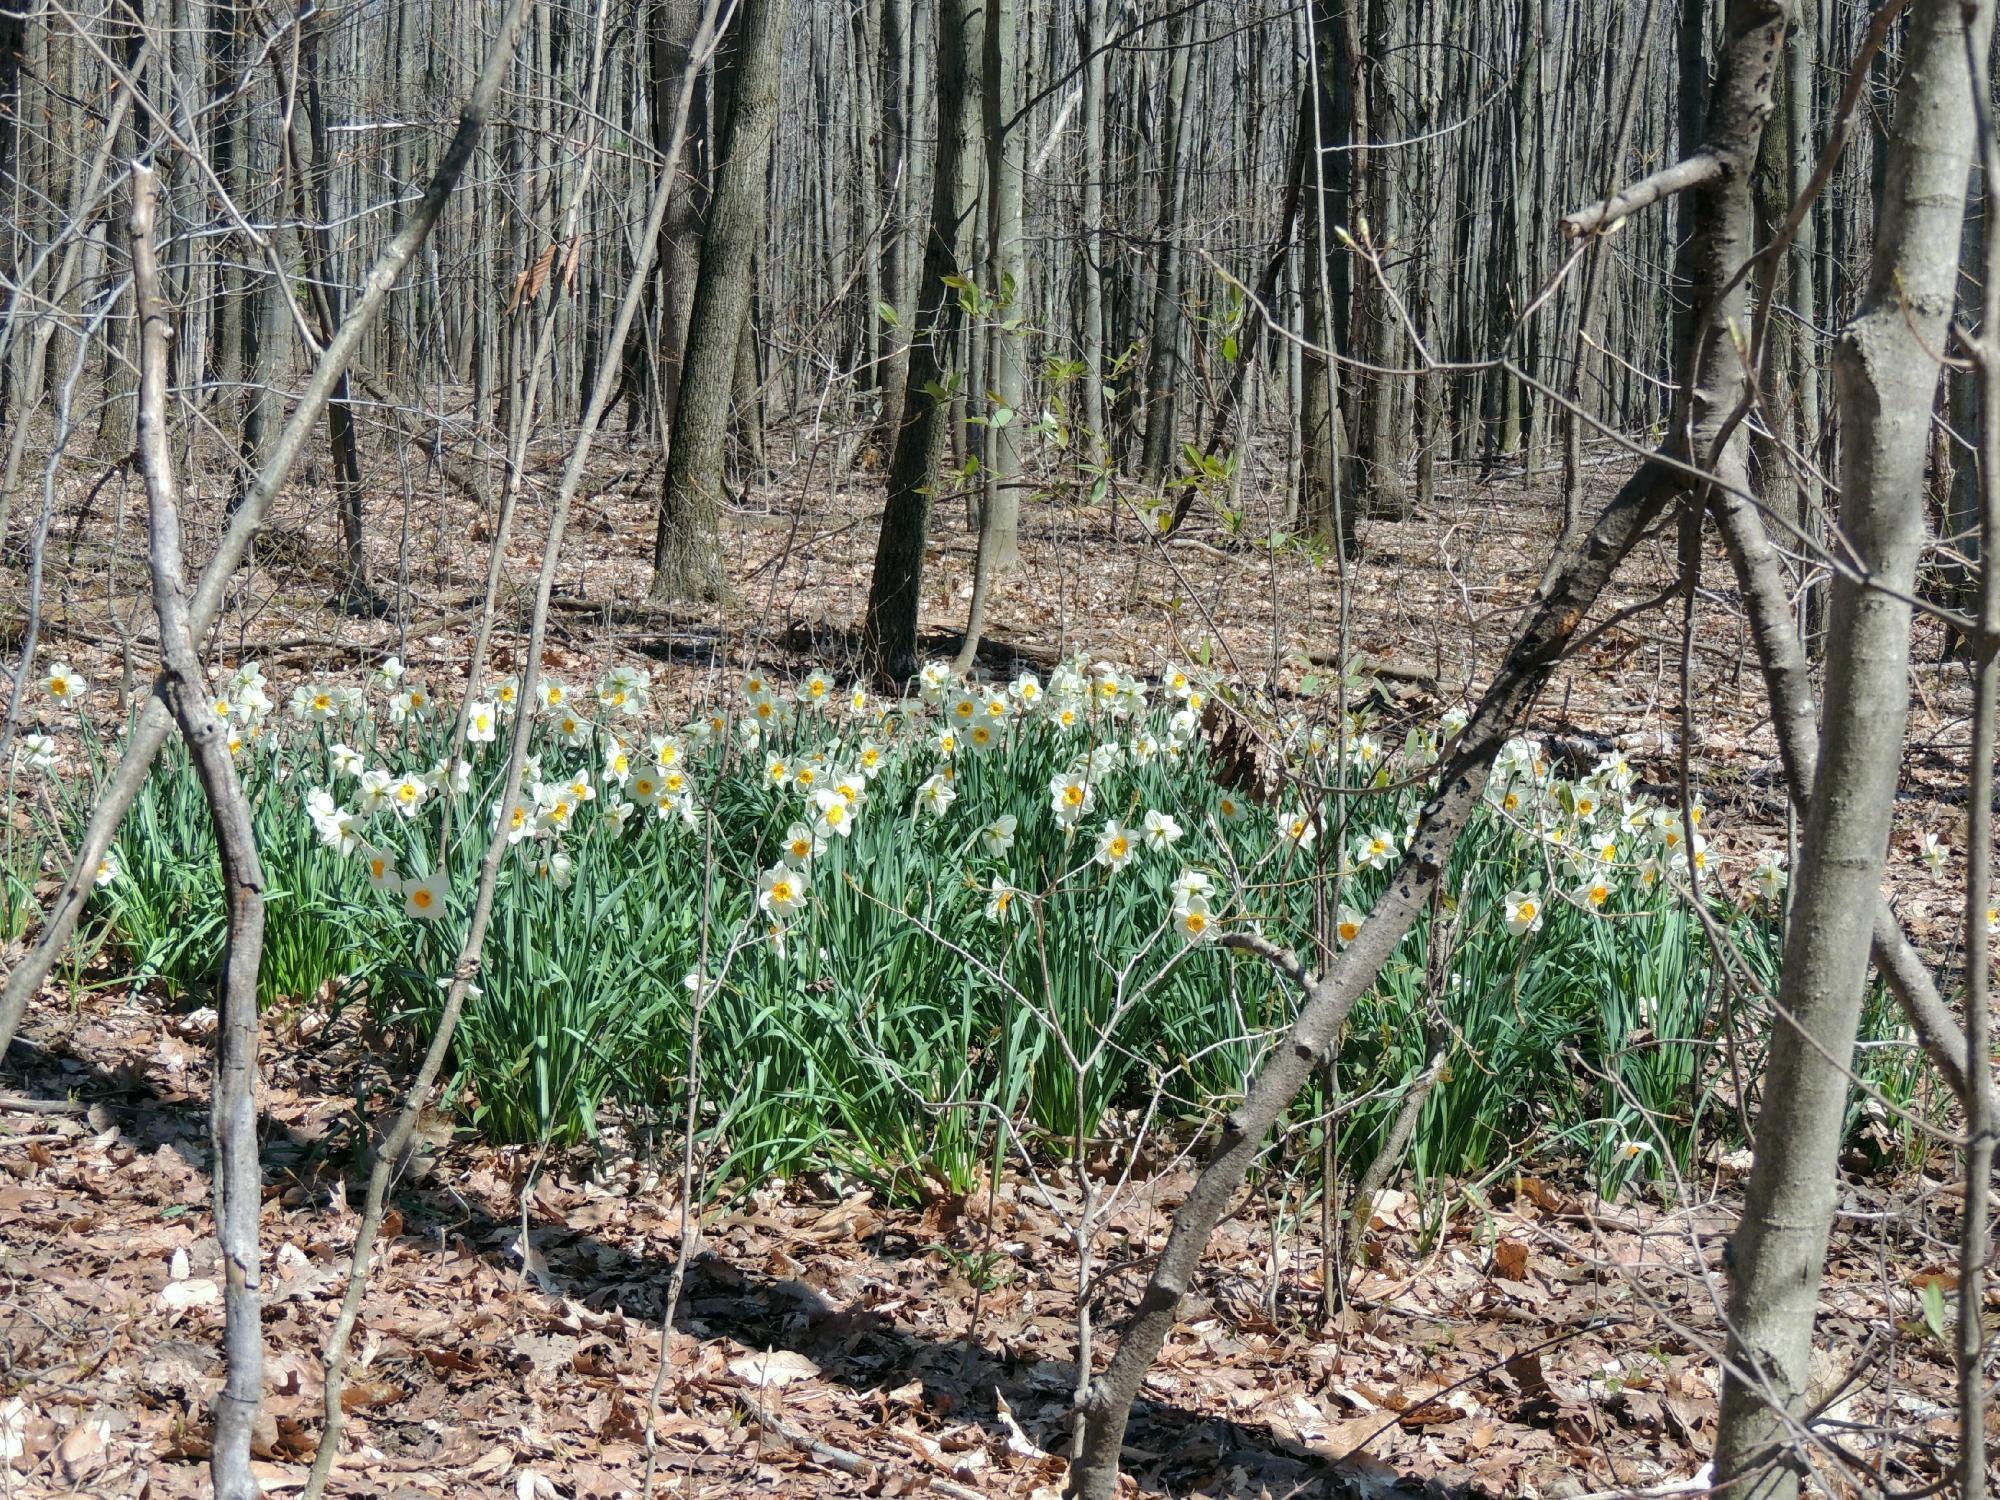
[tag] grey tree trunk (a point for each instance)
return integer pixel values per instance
(1886, 374)
(936, 348)
(1090, 43)
(1163, 353)
(687, 560)
(1006, 357)
(237, 1172)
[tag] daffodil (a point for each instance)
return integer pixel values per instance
(1933, 853)
(1768, 874)
(1070, 798)
(106, 871)
(424, 896)
(553, 695)
(520, 821)
(624, 690)
(507, 696)
(936, 796)
(406, 794)
(1190, 883)
(857, 701)
(1000, 901)
(1114, 846)
(1193, 920)
(1523, 912)
(1346, 926)
(782, 891)
(777, 772)
(982, 734)
(1230, 808)
(373, 794)
(572, 728)
(618, 814)
(1376, 850)
(411, 703)
(869, 758)
(1595, 891)
(481, 723)
(1160, 830)
(1615, 772)
(1026, 690)
(453, 778)
(314, 703)
(1297, 828)
(933, 677)
(556, 867)
(381, 867)
(667, 750)
(617, 762)
(389, 673)
(998, 836)
(801, 845)
(816, 689)
(64, 683)
(835, 818)
(340, 831)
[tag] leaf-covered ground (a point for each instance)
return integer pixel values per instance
(1509, 1337)
(1536, 1342)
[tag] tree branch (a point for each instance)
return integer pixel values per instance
(1697, 171)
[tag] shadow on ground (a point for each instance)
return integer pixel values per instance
(1170, 1448)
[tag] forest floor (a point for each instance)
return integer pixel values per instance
(1518, 1336)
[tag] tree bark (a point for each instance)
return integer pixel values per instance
(1886, 370)
(235, 1172)
(687, 557)
(1005, 332)
(896, 588)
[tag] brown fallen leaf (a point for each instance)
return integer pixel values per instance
(359, 1393)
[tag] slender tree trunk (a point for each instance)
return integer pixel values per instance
(1327, 502)
(936, 346)
(687, 559)
(1006, 357)
(674, 23)
(237, 1172)
(1163, 354)
(1090, 43)
(1886, 374)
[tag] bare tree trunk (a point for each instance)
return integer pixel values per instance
(1327, 504)
(674, 24)
(235, 1172)
(1886, 370)
(936, 345)
(1090, 42)
(687, 559)
(1163, 354)
(1006, 359)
